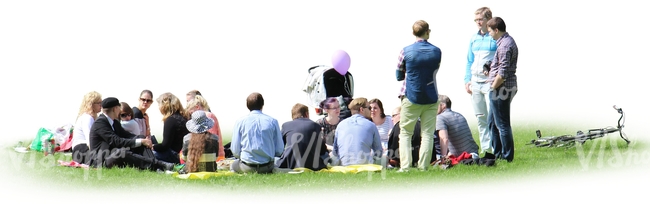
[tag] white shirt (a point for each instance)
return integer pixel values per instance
(81, 131)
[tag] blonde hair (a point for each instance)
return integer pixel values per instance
(87, 104)
(170, 104)
(198, 100)
(485, 12)
(358, 103)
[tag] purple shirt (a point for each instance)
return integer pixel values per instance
(505, 61)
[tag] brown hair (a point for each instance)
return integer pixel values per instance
(381, 106)
(357, 103)
(146, 91)
(485, 12)
(299, 110)
(420, 28)
(170, 104)
(255, 101)
(497, 23)
(195, 150)
(126, 109)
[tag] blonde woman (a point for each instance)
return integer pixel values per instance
(174, 119)
(198, 103)
(90, 106)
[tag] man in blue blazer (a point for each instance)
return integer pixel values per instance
(304, 147)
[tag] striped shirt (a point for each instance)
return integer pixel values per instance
(460, 136)
(505, 61)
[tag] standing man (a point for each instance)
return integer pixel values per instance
(256, 139)
(356, 140)
(481, 50)
(503, 87)
(420, 62)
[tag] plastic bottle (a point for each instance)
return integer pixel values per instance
(46, 147)
(52, 146)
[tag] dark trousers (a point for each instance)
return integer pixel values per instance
(168, 155)
(139, 157)
(80, 154)
(499, 123)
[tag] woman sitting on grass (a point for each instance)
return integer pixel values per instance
(200, 145)
(90, 106)
(127, 121)
(198, 103)
(174, 129)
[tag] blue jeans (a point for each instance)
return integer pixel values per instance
(168, 155)
(499, 122)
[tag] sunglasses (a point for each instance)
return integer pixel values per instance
(123, 115)
(146, 100)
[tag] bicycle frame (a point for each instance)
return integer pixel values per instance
(569, 140)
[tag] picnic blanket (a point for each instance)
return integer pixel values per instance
(353, 169)
(72, 164)
(203, 175)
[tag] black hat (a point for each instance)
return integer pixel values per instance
(110, 102)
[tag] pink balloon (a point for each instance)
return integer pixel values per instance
(341, 62)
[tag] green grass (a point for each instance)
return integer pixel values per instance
(530, 162)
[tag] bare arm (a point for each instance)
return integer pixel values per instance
(444, 139)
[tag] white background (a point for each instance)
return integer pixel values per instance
(576, 60)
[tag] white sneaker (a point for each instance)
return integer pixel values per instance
(402, 170)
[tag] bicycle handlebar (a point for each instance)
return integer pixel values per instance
(618, 109)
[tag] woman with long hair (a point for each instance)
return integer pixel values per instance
(174, 129)
(198, 103)
(90, 106)
(200, 147)
(330, 121)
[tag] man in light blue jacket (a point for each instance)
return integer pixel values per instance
(481, 50)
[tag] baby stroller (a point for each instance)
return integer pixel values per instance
(324, 82)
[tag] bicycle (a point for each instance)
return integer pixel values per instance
(581, 137)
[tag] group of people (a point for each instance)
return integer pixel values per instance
(490, 79)
(121, 135)
(423, 128)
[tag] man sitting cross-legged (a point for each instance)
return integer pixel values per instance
(111, 145)
(356, 139)
(256, 139)
(303, 146)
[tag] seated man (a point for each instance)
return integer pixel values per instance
(111, 145)
(393, 142)
(304, 147)
(356, 139)
(453, 130)
(256, 139)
